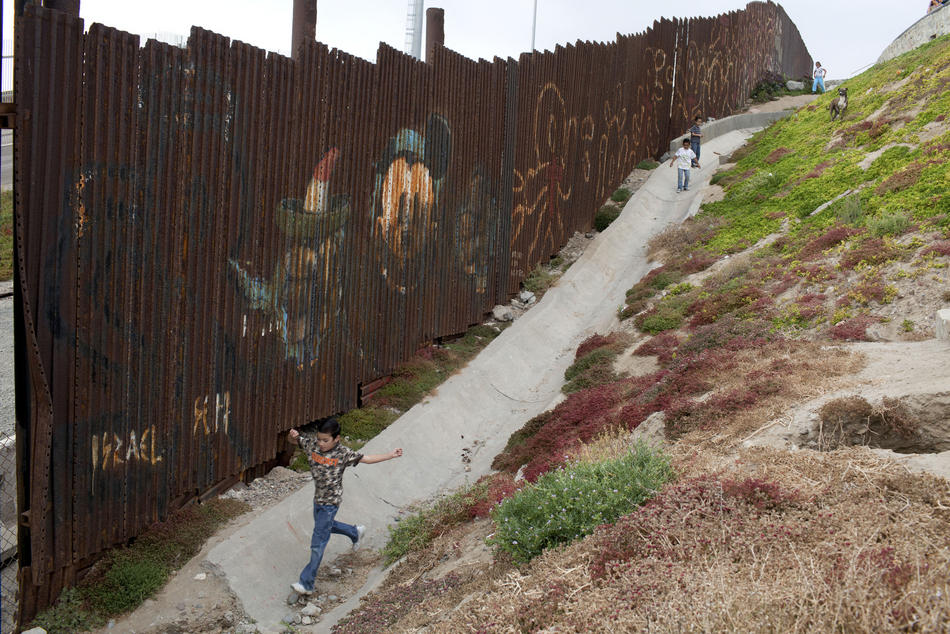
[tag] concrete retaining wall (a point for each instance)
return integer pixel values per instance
(930, 26)
(744, 121)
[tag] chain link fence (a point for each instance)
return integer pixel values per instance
(8, 536)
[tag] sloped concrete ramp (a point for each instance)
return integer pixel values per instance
(473, 413)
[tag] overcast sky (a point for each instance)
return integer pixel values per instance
(845, 36)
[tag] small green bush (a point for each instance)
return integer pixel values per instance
(848, 210)
(366, 422)
(606, 215)
(68, 615)
(568, 504)
(541, 279)
(647, 164)
(594, 368)
(128, 582)
(664, 316)
(889, 224)
(622, 195)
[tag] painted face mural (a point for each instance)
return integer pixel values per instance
(409, 178)
(304, 295)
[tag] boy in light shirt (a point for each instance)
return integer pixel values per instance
(684, 159)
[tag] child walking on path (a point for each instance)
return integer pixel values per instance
(684, 159)
(328, 458)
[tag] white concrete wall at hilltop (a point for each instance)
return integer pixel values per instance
(930, 26)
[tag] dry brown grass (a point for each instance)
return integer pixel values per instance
(669, 243)
(806, 370)
(862, 546)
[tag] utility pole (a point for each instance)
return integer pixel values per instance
(435, 31)
(414, 29)
(305, 25)
(534, 24)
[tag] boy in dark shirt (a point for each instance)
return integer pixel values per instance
(328, 458)
(695, 137)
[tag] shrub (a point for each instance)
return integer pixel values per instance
(594, 368)
(854, 329)
(621, 195)
(592, 343)
(68, 615)
(660, 318)
(900, 180)
(870, 252)
(940, 247)
(849, 210)
(647, 164)
(366, 422)
(568, 504)
(604, 217)
(662, 345)
(540, 280)
(833, 236)
(892, 224)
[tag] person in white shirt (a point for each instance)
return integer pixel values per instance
(819, 76)
(683, 159)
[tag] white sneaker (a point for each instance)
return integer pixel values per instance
(360, 529)
(299, 589)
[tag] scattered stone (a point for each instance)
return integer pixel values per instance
(791, 84)
(228, 618)
(348, 571)
(306, 620)
(589, 235)
(110, 624)
(502, 313)
(518, 304)
(527, 297)
(35, 630)
(180, 606)
(334, 572)
(332, 598)
(310, 610)
(942, 327)
(201, 576)
(651, 431)
(297, 619)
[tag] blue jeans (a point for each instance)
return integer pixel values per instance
(682, 179)
(323, 526)
(818, 83)
(694, 146)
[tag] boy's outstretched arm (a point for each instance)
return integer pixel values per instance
(381, 457)
(293, 436)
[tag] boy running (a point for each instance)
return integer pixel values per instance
(328, 458)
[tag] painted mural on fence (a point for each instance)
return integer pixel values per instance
(409, 179)
(303, 293)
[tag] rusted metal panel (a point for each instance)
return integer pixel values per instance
(217, 244)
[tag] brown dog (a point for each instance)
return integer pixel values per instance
(839, 103)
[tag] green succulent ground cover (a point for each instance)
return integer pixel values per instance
(806, 160)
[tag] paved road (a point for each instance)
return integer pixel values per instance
(6, 159)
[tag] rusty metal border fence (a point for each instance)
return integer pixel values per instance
(216, 244)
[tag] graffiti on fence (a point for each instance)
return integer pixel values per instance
(110, 450)
(477, 218)
(410, 175)
(304, 293)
